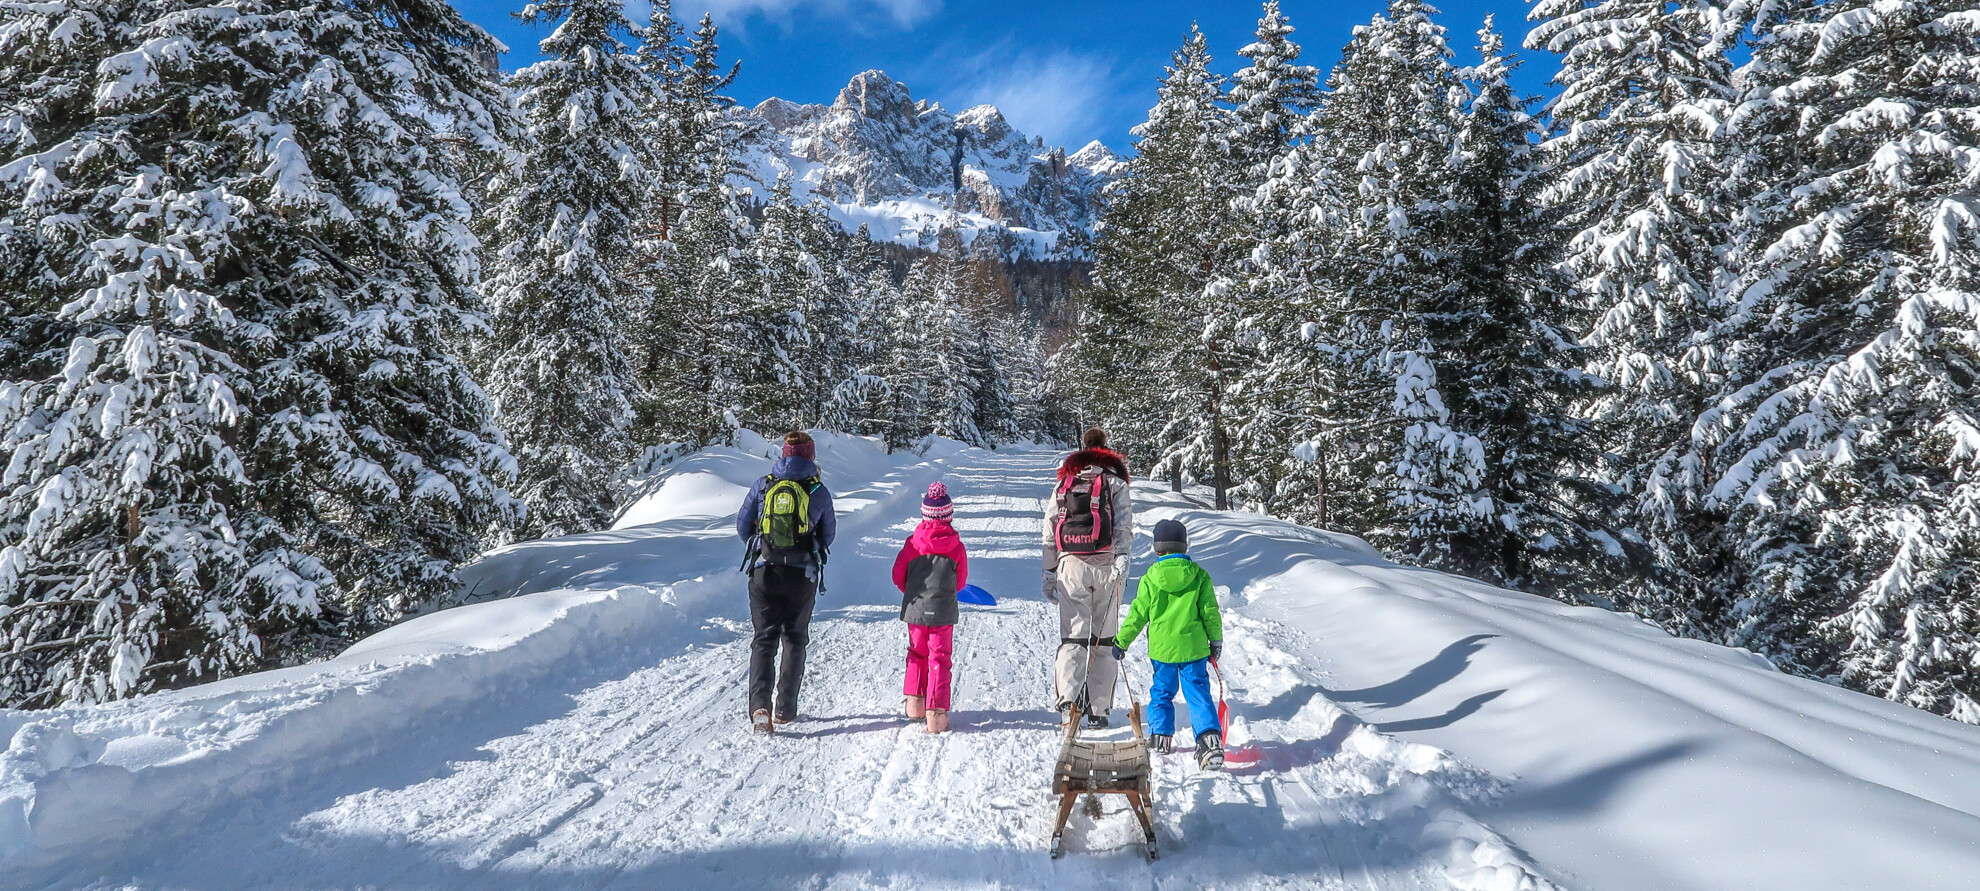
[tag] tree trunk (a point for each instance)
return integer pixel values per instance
(1320, 465)
(1220, 461)
(1220, 442)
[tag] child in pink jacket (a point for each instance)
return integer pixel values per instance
(931, 568)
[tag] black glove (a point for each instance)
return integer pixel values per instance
(1119, 654)
(1216, 649)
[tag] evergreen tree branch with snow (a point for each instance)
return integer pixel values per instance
(228, 387)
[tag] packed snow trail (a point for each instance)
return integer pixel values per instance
(634, 768)
(591, 734)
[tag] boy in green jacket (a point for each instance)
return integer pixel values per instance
(1179, 608)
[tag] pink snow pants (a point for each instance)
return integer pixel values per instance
(928, 666)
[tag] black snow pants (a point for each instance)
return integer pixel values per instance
(780, 599)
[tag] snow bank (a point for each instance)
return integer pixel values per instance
(1643, 761)
(76, 778)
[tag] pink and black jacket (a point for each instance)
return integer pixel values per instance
(929, 570)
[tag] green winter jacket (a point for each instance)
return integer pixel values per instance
(1178, 607)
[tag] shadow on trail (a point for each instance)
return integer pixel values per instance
(840, 725)
(1439, 670)
(993, 719)
(1457, 713)
(1277, 755)
(1586, 792)
(1422, 679)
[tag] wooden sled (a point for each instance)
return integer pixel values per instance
(1088, 767)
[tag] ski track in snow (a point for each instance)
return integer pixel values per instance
(636, 769)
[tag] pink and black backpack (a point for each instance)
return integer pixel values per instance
(1086, 516)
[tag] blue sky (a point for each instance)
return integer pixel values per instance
(1069, 71)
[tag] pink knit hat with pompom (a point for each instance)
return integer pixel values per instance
(936, 504)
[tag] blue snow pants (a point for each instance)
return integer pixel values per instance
(1195, 680)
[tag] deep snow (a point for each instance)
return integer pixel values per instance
(589, 733)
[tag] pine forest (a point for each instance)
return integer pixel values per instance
(300, 312)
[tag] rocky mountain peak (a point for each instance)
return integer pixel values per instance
(909, 169)
(872, 94)
(1098, 158)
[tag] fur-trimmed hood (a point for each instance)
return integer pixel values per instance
(1108, 460)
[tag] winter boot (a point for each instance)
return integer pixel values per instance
(1096, 722)
(917, 707)
(760, 719)
(1161, 744)
(1065, 716)
(784, 717)
(1210, 750)
(938, 720)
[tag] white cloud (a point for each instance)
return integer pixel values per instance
(734, 13)
(1065, 97)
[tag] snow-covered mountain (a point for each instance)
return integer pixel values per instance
(909, 168)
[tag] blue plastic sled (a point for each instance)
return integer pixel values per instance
(976, 595)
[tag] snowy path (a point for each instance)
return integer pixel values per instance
(589, 734)
(638, 772)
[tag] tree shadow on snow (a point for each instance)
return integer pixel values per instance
(1457, 713)
(840, 725)
(970, 721)
(1586, 792)
(1279, 755)
(1441, 669)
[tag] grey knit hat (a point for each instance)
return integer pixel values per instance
(1171, 537)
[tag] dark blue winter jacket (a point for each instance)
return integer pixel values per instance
(824, 522)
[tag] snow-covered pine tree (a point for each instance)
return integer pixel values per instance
(937, 366)
(782, 366)
(1849, 443)
(694, 137)
(1367, 259)
(1285, 427)
(562, 254)
(989, 362)
(833, 312)
(1270, 98)
(1515, 510)
(236, 249)
(1022, 357)
(668, 121)
(1643, 84)
(1100, 364)
(984, 290)
(902, 416)
(863, 401)
(695, 372)
(1157, 342)
(1272, 102)
(686, 117)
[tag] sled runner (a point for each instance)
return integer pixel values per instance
(1089, 767)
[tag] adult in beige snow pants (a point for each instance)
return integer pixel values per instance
(1088, 586)
(1090, 591)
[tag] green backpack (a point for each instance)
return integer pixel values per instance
(784, 523)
